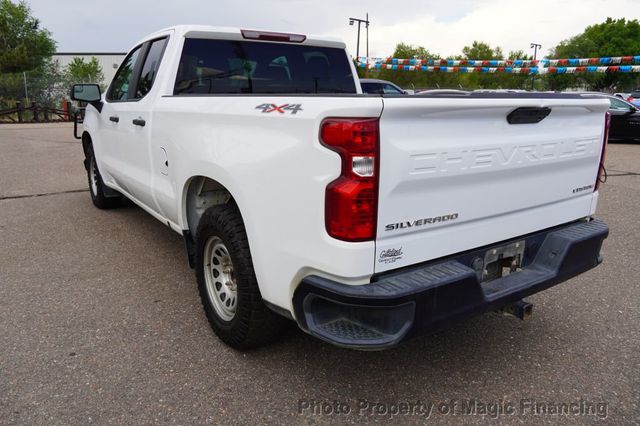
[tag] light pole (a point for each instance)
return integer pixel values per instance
(535, 47)
(365, 21)
(367, 37)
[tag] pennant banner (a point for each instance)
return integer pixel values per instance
(506, 69)
(491, 70)
(449, 62)
(616, 60)
(518, 63)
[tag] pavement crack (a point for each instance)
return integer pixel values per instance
(621, 173)
(42, 194)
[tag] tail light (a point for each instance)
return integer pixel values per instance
(351, 201)
(607, 125)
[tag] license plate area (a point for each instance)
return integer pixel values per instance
(500, 261)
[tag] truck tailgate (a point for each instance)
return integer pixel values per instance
(456, 175)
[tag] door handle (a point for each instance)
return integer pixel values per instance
(114, 118)
(139, 122)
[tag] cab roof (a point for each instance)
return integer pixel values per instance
(235, 33)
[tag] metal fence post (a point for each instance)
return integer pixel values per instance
(34, 107)
(19, 108)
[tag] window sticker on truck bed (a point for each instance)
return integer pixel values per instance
(282, 109)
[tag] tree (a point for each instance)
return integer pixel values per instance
(408, 79)
(517, 81)
(48, 84)
(613, 37)
(79, 71)
(481, 50)
(519, 54)
(24, 46)
(477, 50)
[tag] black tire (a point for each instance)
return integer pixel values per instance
(97, 188)
(253, 324)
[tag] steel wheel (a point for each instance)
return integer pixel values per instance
(220, 279)
(227, 282)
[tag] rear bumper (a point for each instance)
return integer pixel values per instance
(401, 304)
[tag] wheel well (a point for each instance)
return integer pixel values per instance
(86, 142)
(202, 193)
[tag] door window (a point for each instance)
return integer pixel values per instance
(391, 90)
(119, 90)
(372, 88)
(150, 67)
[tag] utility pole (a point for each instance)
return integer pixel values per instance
(535, 47)
(365, 21)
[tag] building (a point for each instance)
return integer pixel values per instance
(108, 61)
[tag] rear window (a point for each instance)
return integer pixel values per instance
(231, 67)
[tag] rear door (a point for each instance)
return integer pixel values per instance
(456, 175)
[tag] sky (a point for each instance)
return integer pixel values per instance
(443, 27)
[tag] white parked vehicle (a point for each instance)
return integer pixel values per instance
(367, 219)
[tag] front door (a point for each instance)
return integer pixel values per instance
(116, 148)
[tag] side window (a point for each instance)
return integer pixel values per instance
(616, 104)
(119, 89)
(377, 88)
(390, 90)
(150, 67)
(372, 88)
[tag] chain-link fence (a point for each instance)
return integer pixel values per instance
(41, 95)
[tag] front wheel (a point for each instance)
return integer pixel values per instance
(227, 283)
(97, 188)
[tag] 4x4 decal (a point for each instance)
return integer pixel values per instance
(282, 109)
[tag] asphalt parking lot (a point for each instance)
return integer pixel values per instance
(100, 322)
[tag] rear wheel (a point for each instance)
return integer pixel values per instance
(97, 189)
(227, 283)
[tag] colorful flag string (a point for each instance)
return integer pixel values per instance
(624, 64)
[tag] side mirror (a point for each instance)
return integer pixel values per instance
(86, 93)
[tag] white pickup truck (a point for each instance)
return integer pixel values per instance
(367, 219)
